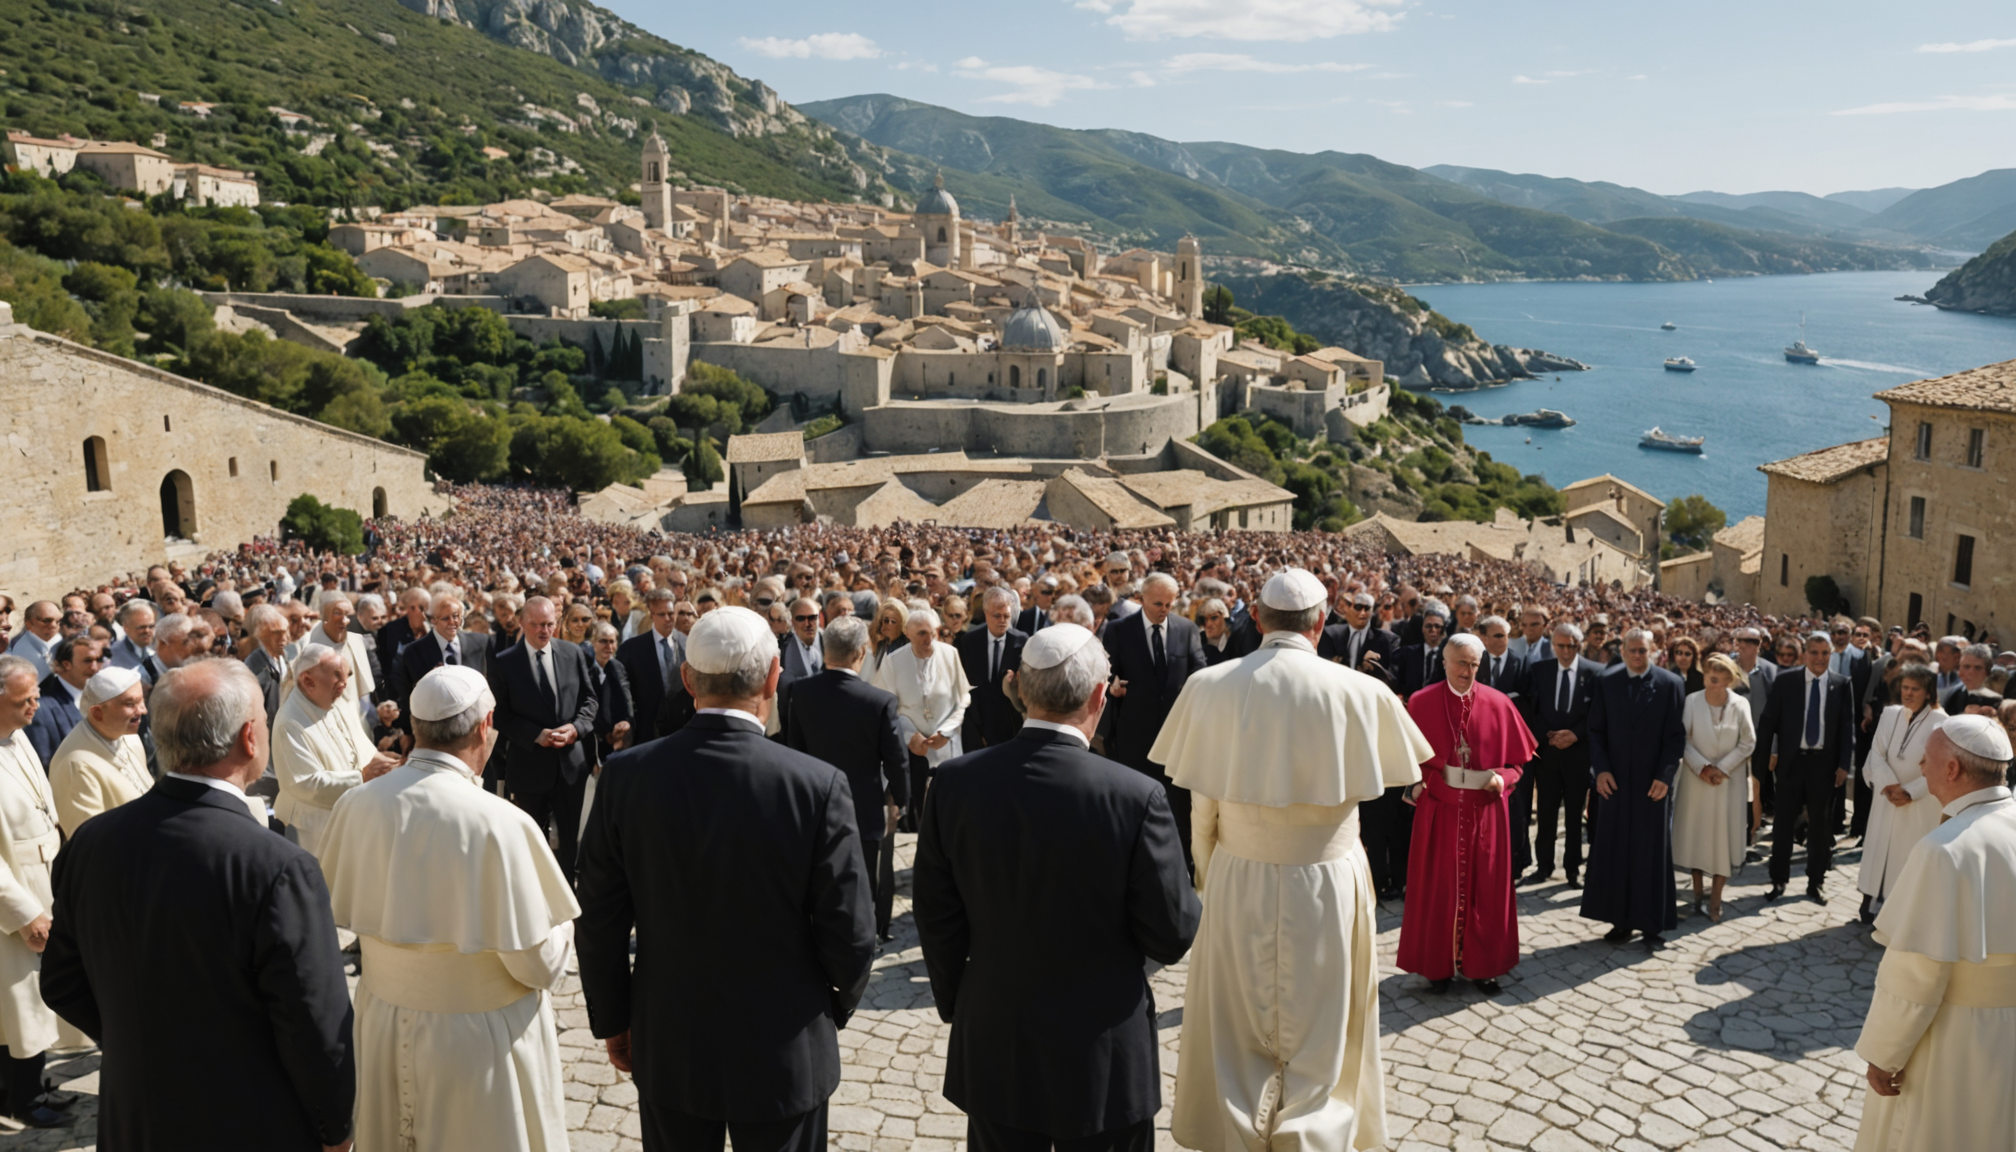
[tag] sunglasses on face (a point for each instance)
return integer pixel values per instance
(805, 619)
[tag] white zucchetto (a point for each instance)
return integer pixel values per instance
(1055, 644)
(1293, 590)
(725, 638)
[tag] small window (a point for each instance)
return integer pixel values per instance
(234, 467)
(97, 469)
(1924, 449)
(1975, 439)
(1917, 531)
(1963, 561)
(1784, 570)
(167, 425)
(1915, 612)
(273, 470)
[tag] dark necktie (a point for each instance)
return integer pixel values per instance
(449, 656)
(153, 669)
(1161, 657)
(1813, 712)
(1561, 698)
(1351, 651)
(540, 677)
(994, 660)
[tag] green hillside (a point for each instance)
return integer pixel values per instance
(1719, 250)
(1987, 283)
(405, 103)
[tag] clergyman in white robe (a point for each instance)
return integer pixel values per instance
(466, 924)
(1280, 1044)
(318, 755)
(1944, 1009)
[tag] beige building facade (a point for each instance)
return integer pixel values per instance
(1821, 517)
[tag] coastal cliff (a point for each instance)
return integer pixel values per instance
(1987, 283)
(1419, 346)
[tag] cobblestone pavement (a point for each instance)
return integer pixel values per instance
(1738, 1036)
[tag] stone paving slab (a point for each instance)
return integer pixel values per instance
(1737, 1038)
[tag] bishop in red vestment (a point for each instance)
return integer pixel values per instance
(1460, 916)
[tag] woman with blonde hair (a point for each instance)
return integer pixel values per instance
(929, 683)
(886, 634)
(1710, 809)
(954, 613)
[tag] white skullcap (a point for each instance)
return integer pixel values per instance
(1981, 735)
(448, 691)
(105, 685)
(1293, 590)
(1055, 644)
(725, 638)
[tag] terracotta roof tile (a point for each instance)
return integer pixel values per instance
(1827, 465)
(1991, 388)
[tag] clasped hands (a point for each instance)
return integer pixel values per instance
(1560, 738)
(1896, 794)
(35, 933)
(1606, 787)
(560, 737)
(921, 744)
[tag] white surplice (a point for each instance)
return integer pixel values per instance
(28, 842)
(318, 755)
(466, 923)
(90, 774)
(1944, 1009)
(1894, 758)
(1280, 1044)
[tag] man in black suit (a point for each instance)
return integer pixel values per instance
(1152, 654)
(546, 704)
(1971, 674)
(1759, 673)
(1559, 691)
(798, 653)
(268, 658)
(415, 607)
(1809, 721)
(851, 724)
(1359, 642)
(1421, 664)
(1033, 841)
(615, 710)
(716, 827)
(444, 643)
(989, 654)
(72, 661)
(197, 947)
(1036, 617)
(651, 659)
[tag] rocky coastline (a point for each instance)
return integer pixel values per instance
(1985, 284)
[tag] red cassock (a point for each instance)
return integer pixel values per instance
(1460, 916)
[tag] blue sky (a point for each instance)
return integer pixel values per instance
(1733, 97)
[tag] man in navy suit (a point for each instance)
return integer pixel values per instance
(444, 643)
(546, 705)
(1809, 721)
(1559, 691)
(988, 655)
(72, 661)
(851, 724)
(652, 659)
(1152, 653)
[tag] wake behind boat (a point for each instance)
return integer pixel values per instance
(1797, 352)
(1665, 442)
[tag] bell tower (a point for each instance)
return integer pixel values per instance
(652, 186)
(1189, 278)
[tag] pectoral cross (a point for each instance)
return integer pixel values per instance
(1463, 752)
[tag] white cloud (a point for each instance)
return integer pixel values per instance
(1526, 80)
(1941, 104)
(1141, 79)
(1969, 46)
(1246, 19)
(820, 46)
(912, 66)
(1027, 83)
(1241, 62)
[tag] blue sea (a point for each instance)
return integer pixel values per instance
(1751, 404)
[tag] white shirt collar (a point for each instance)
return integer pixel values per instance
(1066, 729)
(212, 781)
(1811, 676)
(735, 713)
(1986, 795)
(76, 693)
(445, 642)
(844, 671)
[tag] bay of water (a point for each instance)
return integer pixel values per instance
(1751, 404)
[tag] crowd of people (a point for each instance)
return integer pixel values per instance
(1488, 717)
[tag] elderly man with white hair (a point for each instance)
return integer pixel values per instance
(334, 632)
(319, 750)
(466, 923)
(1942, 1021)
(932, 696)
(100, 764)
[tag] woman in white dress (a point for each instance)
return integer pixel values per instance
(1710, 811)
(1905, 810)
(931, 692)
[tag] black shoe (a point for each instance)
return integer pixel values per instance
(1537, 878)
(1441, 986)
(1488, 987)
(42, 1117)
(1617, 935)
(60, 1100)
(1575, 882)
(1777, 890)
(1813, 894)
(1389, 894)
(1654, 942)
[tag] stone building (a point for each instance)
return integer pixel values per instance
(1617, 512)
(128, 167)
(116, 465)
(208, 187)
(1822, 513)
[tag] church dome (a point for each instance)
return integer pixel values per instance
(937, 202)
(1031, 328)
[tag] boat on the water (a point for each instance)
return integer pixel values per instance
(1669, 326)
(1666, 442)
(1679, 364)
(1797, 352)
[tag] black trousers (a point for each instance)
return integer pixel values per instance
(1386, 825)
(987, 1136)
(1805, 783)
(561, 805)
(23, 1081)
(1562, 783)
(879, 857)
(669, 1131)
(1519, 814)
(1179, 803)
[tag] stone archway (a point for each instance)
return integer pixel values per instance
(178, 505)
(379, 506)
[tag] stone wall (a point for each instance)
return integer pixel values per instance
(856, 380)
(1135, 426)
(1960, 500)
(1813, 529)
(226, 466)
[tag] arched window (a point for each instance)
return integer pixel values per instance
(273, 471)
(1182, 271)
(1014, 376)
(178, 505)
(941, 235)
(653, 173)
(378, 504)
(1042, 379)
(97, 466)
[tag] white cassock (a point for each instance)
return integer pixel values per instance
(931, 695)
(90, 774)
(1280, 1045)
(361, 684)
(318, 755)
(28, 842)
(466, 922)
(1894, 757)
(1944, 1010)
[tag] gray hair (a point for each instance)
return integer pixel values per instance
(1468, 642)
(926, 614)
(1433, 607)
(1301, 621)
(1071, 609)
(1213, 604)
(844, 639)
(1817, 637)
(450, 733)
(1064, 688)
(1485, 624)
(1644, 634)
(998, 593)
(12, 666)
(1466, 601)
(1154, 578)
(227, 601)
(313, 656)
(603, 628)
(172, 628)
(435, 602)
(196, 725)
(262, 615)
(1569, 629)
(660, 596)
(736, 683)
(133, 607)
(369, 601)
(1981, 652)
(1957, 643)
(1979, 769)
